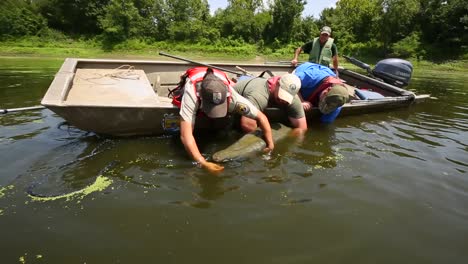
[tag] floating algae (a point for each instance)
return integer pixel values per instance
(327, 162)
(100, 184)
(4, 189)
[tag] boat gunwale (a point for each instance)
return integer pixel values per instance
(400, 98)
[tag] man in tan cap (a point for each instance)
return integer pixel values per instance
(277, 91)
(322, 50)
(210, 92)
(321, 88)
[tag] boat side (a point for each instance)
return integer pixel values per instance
(130, 97)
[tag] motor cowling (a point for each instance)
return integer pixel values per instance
(394, 71)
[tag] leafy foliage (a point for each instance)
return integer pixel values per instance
(120, 22)
(408, 47)
(285, 16)
(403, 28)
(18, 18)
(73, 16)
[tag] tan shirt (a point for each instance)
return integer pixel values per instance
(237, 104)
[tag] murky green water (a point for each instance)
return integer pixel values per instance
(380, 188)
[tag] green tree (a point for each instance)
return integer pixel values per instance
(410, 46)
(286, 15)
(182, 20)
(19, 18)
(396, 21)
(444, 26)
(242, 19)
(305, 30)
(74, 17)
(120, 22)
(160, 19)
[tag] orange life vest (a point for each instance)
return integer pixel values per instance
(196, 76)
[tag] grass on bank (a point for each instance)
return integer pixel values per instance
(223, 50)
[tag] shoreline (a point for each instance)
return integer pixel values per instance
(206, 57)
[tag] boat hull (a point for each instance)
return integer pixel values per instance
(104, 97)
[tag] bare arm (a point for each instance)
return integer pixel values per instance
(248, 124)
(296, 56)
(266, 128)
(300, 127)
(186, 136)
(335, 64)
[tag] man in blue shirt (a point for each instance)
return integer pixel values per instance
(321, 88)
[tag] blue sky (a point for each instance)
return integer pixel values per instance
(313, 7)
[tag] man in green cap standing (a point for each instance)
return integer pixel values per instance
(321, 50)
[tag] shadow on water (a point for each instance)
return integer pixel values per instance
(149, 163)
(77, 166)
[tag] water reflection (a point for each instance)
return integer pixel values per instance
(398, 175)
(77, 166)
(317, 152)
(24, 81)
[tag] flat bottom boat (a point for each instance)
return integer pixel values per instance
(130, 97)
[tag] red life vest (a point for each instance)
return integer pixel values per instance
(327, 82)
(196, 75)
(272, 83)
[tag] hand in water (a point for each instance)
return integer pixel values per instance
(267, 153)
(212, 167)
(268, 150)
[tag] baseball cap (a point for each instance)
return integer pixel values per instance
(213, 94)
(289, 86)
(337, 96)
(326, 30)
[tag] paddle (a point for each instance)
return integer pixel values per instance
(358, 63)
(37, 107)
(199, 63)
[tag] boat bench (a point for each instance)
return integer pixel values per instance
(112, 87)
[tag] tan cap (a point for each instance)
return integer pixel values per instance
(326, 30)
(289, 86)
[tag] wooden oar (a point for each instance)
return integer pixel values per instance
(30, 108)
(199, 63)
(244, 71)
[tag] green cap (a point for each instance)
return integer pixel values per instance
(334, 98)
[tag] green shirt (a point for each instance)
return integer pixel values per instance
(256, 91)
(307, 48)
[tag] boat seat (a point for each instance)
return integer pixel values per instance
(368, 95)
(111, 87)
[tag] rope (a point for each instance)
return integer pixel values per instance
(125, 71)
(120, 73)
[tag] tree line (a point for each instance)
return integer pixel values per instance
(404, 28)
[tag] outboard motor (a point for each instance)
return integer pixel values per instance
(393, 71)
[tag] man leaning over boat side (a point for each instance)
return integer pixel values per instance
(322, 50)
(323, 89)
(277, 91)
(210, 91)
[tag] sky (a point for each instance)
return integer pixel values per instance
(313, 7)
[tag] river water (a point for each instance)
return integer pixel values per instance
(379, 188)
